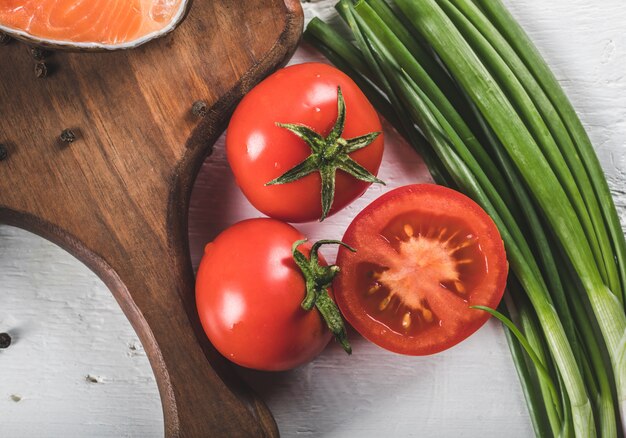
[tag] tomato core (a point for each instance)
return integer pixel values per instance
(428, 260)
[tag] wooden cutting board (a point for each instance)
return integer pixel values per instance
(117, 196)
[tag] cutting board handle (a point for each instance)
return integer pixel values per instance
(200, 397)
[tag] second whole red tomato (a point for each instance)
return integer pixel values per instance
(249, 294)
(260, 148)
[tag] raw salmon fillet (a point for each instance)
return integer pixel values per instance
(88, 21)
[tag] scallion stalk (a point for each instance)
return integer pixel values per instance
(463, 74)
(529, 381)
(526, 50)
(465, 65)
(377, 30)
(525, 272)
(502, 59)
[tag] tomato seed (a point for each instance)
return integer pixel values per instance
(459, 287)
(427, 314)
(464, 244)
(406, 320)
(408, 230)
(451, 238)
(372, 290)
(384, 303)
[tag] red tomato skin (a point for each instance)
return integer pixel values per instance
(248, 295)
(259, 151)
(398, 201)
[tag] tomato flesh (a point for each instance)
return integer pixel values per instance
(425, 254)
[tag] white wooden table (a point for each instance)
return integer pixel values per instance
(76, 368)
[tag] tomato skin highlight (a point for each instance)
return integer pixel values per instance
(258, 151)
(248, 295)
(390, 299)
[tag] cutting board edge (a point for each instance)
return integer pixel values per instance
(198, 146)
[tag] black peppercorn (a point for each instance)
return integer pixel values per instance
(5, 340)
(67, 136)
(199, 108)
(38, 53)
(41, 70)
(4, 39)
(4, 153)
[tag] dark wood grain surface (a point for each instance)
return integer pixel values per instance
(117, 197)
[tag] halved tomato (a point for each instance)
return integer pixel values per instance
(425, 254)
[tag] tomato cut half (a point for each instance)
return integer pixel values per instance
(425, 254)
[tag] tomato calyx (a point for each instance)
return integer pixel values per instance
(318, 278)
(329, 154)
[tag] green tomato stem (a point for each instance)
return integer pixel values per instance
(318, 279)
(328, 155)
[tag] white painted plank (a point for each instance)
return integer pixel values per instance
(67, 326)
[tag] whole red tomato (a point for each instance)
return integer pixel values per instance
(249, 292)
(311, 100)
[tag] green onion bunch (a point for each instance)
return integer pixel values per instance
(463, 83)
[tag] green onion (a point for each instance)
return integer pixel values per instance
(532, 346)
(525, 49)
(518, 251)
(540, 177)
(524, 268)
(593, 360)
(526, 373)
(534, 107)
(378, 31)
(345, 56)
(463, 74)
